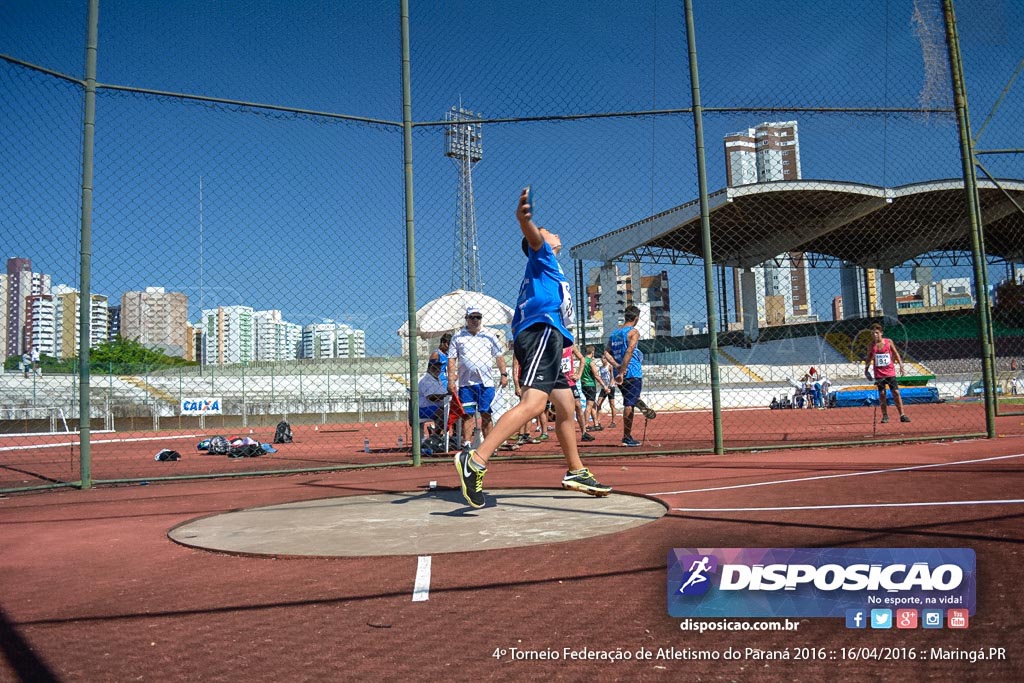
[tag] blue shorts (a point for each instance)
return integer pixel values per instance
(630, 388)
(430, 412)
(480, 395)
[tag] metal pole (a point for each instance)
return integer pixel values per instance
(410, 240)
(85, 276)
(963, 122)
(705, 231)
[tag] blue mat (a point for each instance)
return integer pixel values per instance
(869, 397)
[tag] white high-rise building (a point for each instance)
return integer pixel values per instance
(332, 340)
(66, 302)
(770, 152)
(41, 327)
(228, 335)
(276, 339)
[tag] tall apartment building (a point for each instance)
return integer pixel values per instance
(113, 322)
(229, 335)
(157, 319)
(633, 289)
(276, 339)
(333, 340)
(21, 284)
(55, 322)
(767, 153)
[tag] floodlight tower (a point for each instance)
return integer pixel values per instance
(462, 135)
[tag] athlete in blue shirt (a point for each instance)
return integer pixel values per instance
(626, 361)
(540, 329)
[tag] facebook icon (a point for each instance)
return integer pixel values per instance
(856, 618)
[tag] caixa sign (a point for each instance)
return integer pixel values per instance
(816, 582)
(200, 406)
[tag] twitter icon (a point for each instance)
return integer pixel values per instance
(881, 618)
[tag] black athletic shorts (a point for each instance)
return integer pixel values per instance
(589, 392)
(890, 382)
(538, 349)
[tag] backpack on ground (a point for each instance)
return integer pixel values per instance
(248, 450)
(283, 433)
(218, 446)
(167, 454)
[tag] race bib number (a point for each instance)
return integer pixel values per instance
(567, 365)
(566, 308)
(883, 360)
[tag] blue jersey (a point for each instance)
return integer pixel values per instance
(544, 296)
(618, 342)
(443, 377)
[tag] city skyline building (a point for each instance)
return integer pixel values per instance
(329, 339)
(770, 152)
(228, 335)
(67, 320)
(21, 284)
(276, 338)
(156, 319)
(648, 292)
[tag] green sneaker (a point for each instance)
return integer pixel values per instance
(584, 482)
(472, 479)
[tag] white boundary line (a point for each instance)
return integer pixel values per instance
(96, 440)
(855, 505)
(421, 588)
(835, 476)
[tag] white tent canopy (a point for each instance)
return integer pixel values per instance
(447, 313)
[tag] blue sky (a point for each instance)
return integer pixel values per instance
(305, 214)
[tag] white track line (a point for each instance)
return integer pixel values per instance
(835, 476)
(855, 505)
(94, 441)
(421, 589)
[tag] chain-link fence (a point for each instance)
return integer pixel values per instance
(256, 227)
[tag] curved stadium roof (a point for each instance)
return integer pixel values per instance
(870, 226)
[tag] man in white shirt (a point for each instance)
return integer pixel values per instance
(432, 395)
(470, 358)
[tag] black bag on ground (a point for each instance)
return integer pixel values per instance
(218, 446)
(283, 433)
(167, 454)
(249, 450)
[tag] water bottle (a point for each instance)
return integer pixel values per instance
(366, 445)
(401, 442)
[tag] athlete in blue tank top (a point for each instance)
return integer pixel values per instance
(618, 342)
(540, 330)
(544, 295)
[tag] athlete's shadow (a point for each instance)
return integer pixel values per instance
(449, 494)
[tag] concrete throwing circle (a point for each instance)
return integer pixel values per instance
(421, 523)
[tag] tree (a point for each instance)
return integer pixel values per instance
(123, 351)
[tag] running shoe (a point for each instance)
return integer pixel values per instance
(523, 440)
(630, 442)
(587, 437)
(904, 418)
(597, 428)
(584, 482)
(885, 418)
(472, 479)
(542, 437)
(647, 412)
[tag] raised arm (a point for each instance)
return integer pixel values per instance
(524, 213)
